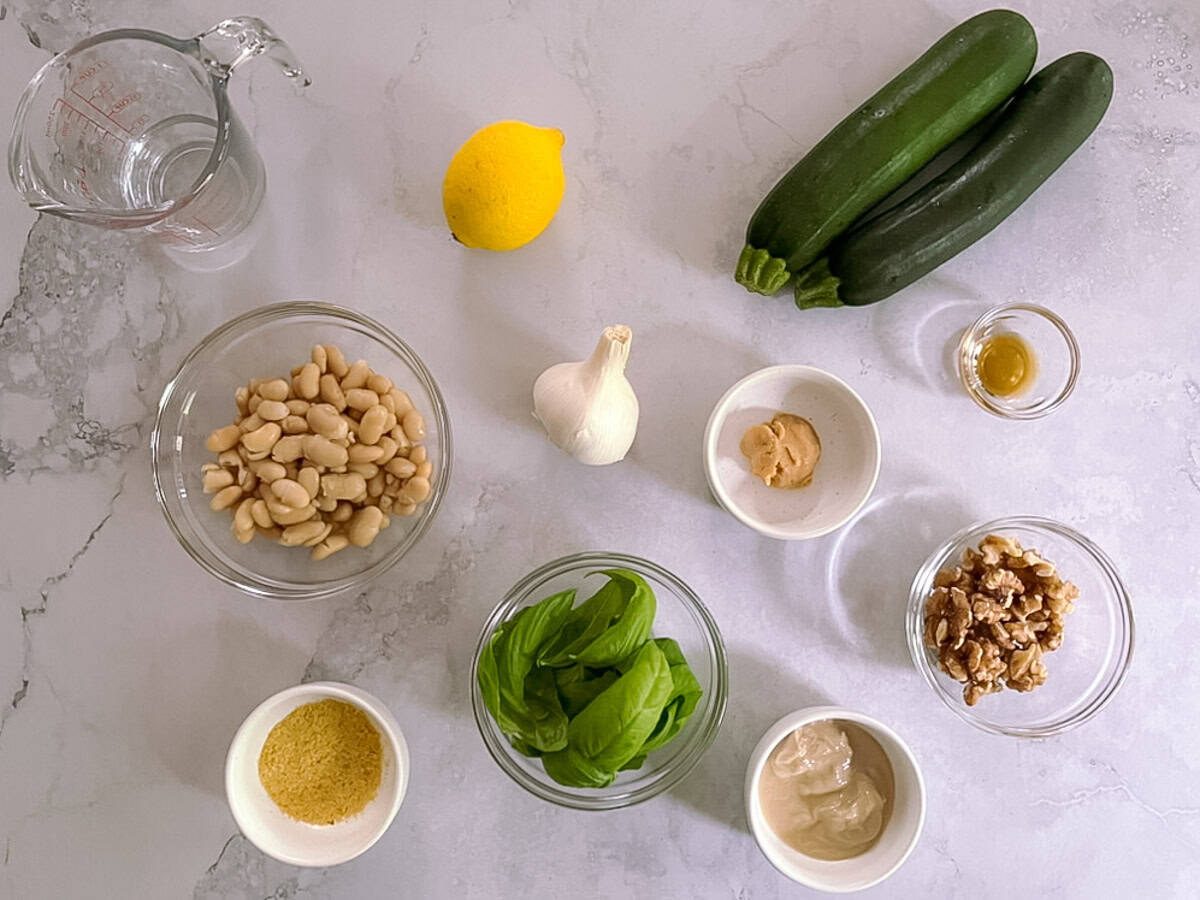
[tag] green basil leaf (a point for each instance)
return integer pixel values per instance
(523, 748)
(573, 769)
(611, 729)
(585, 623)
(630, 629)
(576, 689)
(609, 627)
(537, 721)
(636, 763)
(489, 677)
(685, 695)
(546, 723)
(670, 649)
(523, 635)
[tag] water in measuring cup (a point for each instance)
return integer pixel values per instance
(163, 163)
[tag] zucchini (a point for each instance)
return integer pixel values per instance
(1045, 123)
(960, 79)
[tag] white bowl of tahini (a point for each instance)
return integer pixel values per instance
(903, 819)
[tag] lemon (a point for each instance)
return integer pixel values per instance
(504, 185)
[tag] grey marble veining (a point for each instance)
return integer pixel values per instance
(124, 670)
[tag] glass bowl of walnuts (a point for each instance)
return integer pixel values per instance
(300, 451)
(1021, 626)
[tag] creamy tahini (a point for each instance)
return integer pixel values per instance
(827, 790)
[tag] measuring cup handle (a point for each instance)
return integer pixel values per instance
(230, 43)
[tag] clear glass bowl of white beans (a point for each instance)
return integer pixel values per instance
(269, 343)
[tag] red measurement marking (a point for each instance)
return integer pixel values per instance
(105, 133)
(125, 101)
(204, 224)
(172, 237)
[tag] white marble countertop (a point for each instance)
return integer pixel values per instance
(124, 668)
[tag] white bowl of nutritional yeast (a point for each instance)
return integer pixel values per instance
(274, 833)
(899, 835)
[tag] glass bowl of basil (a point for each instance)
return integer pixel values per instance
(599, 681)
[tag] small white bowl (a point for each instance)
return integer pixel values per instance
(898, 838)
(845, 474)
(274, 832)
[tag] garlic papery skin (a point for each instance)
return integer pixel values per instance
(589, 408)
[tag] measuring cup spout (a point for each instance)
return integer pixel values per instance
(230, 43)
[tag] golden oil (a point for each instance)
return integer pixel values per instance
(1006, 365)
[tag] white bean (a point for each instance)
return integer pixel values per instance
(402, 400)
(380, 384)
(262, 439)
(291, 493)
(242, 518)
(363, 453)
(401, 467)
(389, 448)
(414, 425)
(295, 425)
(288, 515)
(373, 424)
(336, 361)
(288, 449)
(323, 451)
(310, 480)
(261, 515)
(331, 545)
(326, 528)
(343, 487)
(320, 357)
(268, 470)
(361, 399)
(226, 497)
(272, 411)
(216, 479)
(357, 375)
(364, 526)
(414, 490)
(325, 420)
(223, 439)
(331, 392)
(297, 534)
(307, 383)
(275, 389)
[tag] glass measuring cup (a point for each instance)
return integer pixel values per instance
(133, 129)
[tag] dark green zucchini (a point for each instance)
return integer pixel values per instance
(1045, 123)
(964, 76)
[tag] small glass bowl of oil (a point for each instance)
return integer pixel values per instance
(1019, 361)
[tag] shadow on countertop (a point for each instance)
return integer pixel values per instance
(872, 561)
(701, 366)
(188, 732)
(760, 693)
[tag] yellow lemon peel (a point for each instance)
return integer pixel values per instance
(504, 185)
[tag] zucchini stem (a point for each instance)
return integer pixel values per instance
(817, 286)
(760, 272)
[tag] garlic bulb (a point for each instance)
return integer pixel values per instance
(588, 408)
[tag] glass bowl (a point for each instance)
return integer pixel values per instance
(1083, 674)
(270, 341)
(680, 615)
(1055, 352)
